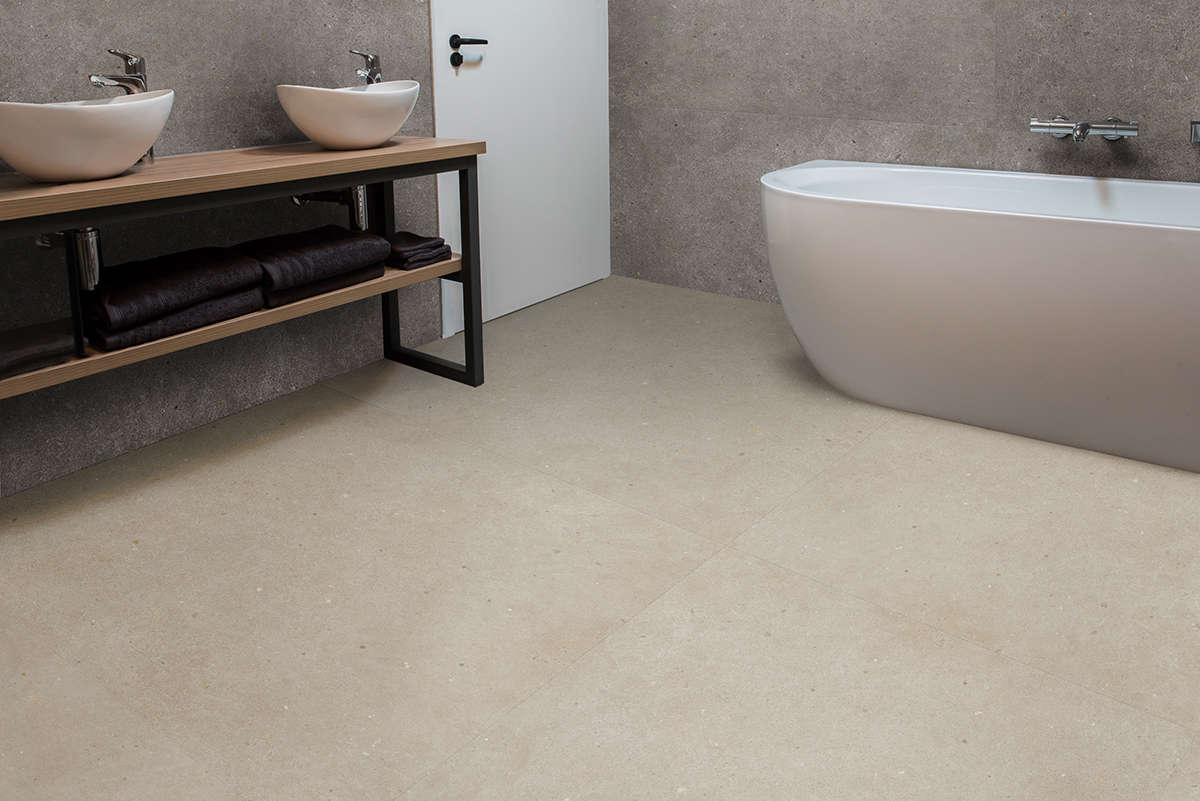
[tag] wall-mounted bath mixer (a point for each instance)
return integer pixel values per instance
(1060, 127)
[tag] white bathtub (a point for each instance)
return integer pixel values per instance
(1065, 309)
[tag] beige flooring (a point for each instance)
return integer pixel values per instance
(655, 556)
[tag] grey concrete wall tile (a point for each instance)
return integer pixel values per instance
(1133, 59)
(685, 190)
(914, 62)
(1157, 159)
(223, 60)
(904, 143)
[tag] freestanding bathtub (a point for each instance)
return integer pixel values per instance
(1060, 308)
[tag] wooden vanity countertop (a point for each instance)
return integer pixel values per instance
(197, 173)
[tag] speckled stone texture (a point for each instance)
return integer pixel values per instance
(707, 96)
(223, 60)
(700, 573)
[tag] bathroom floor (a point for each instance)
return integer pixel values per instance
(655, 556)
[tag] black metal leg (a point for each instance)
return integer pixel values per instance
(470, 373)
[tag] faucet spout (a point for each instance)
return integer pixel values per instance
(132, 84)
(1080, 131)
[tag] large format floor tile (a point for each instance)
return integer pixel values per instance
(1185, 784)
(1080, 564)
(314, 599)
(747, 681)
(63, 737)
(691, 407)
(654, 556)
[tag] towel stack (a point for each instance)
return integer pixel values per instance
(35, 346)
(297, 266)
(144, 300)
(410, 251)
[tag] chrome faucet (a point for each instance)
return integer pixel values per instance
(132, 81)
(371, 73)
(1060, 127)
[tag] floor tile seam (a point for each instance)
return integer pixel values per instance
(1013, 660)
(542, 472)
(132, 714)
(1194, 747)
(541, 687)
(372, 405)
(811, 479)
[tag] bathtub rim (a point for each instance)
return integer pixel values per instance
(768, 181)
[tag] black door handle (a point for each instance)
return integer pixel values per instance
(457, 41)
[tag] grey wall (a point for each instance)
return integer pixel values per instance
(707, 95)
(223, 59)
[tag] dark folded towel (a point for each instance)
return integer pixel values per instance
(279, 297)
(141, 290)
(425, 259)
(406, 244)
(35, 346)
(206, 312)
(290, 260)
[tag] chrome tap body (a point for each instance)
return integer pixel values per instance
(371, 73)
(1060, 127)
(133, 82)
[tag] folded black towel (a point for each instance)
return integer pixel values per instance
(406, 244)
(141, 290)
(35, 346)
(206, 312)
(425, 259)
(290, 260)
(279, 297)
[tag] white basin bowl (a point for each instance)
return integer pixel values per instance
(351, 118)
(83, 140)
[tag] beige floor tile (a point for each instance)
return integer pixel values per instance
(749, 682)
(1077, 563)
(62, 737)
(1185, 784)
(691, 407)
(317, 600)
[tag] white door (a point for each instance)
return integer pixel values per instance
(537, 93)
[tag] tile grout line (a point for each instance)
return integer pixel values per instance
(489, 727)
(721, 548)
(1013, 660)
(1193, 748)
(814, 477)
(74, 669)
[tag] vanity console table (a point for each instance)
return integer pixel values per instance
(206, 180)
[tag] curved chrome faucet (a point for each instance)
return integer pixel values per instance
(371, 73)
(133, 81)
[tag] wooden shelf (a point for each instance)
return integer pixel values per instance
(194, 181)
(99, 361)
(222, 171)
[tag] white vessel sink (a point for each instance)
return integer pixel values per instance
(351, 118)
(83, 140)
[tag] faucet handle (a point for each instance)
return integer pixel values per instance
(134, 65)
(371, 73)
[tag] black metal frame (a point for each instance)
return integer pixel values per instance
(381, 215)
